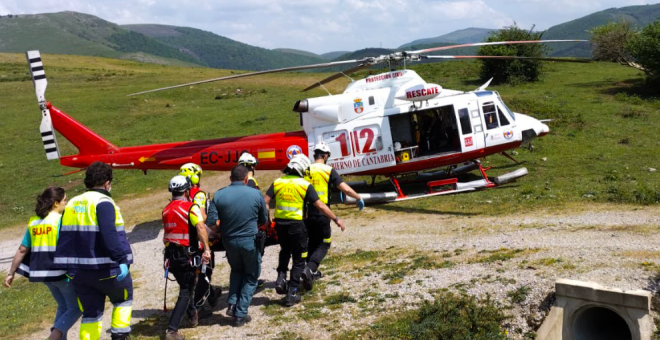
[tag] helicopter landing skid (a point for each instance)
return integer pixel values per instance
(448, 186)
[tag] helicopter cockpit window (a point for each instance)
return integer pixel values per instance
(502, 116)
(511, 114)
(490, 115)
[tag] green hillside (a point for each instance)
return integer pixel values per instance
(221, 52)
(638, 16)
(333, 55)
(298, 52)
(82, 34)
(467, 35)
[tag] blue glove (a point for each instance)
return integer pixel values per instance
(124, 272)
(360, 204)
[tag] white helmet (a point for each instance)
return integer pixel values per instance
(248, 160)
(299, 163)
(179, 183)
(322, 147)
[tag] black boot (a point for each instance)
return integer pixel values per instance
(231, 310)
(308, 278)
(120, 336)
(280, 283)
(292, 297)
(215, 296)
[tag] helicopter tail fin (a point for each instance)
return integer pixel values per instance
(87, 142)
(40, 83)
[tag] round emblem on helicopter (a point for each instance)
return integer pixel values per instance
(508, 134)
(293, 150)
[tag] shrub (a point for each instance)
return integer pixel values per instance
(645, 49)
(608, 42)
(512, 71)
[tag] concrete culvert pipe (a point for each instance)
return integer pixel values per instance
(598, 323)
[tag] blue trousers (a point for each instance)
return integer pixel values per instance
(67, 305)
(92, 287)
(245, 261)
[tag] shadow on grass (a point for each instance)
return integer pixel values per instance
(394, 208)
(630, 87)
(633, 87)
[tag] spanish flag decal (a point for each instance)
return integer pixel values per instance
(266, 154)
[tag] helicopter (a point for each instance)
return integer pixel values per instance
(392, 124)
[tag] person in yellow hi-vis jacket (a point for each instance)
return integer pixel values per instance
(94, 250)
(34, 260)
(322, 176)
(292, 193)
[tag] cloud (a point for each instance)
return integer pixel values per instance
(326, 25)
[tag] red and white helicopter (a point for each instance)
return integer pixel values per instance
(390, 124)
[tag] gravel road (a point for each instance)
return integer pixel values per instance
(603, 243)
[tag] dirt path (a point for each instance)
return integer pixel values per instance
(478, 255)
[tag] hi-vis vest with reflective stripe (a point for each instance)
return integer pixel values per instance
(80, 244)
(319, 177)
(256, 184)
(176, 222)
(43, 240)
(290, 192)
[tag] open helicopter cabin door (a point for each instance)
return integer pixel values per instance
(359, 146)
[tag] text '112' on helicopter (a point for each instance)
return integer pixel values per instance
(390, 124)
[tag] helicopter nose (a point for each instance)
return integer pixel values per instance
(531, 127)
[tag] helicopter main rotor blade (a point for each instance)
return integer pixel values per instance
(336, 76)
(442, 48)
(567, 60)
(293, 68)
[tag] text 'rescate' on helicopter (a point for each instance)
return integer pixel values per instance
(390, 124)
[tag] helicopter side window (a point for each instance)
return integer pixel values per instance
(339, 142)
(502, 116)
(490, 115)
(367, 139)
(464, 116)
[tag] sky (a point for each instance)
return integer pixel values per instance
(322, 26)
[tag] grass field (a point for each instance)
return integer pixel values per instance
(602, 143)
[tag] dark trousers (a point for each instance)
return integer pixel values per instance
(245, 261)
(92, 288)
(204, 291)
(293, 245)
(184, 274)
(320, 237)
(185, 277)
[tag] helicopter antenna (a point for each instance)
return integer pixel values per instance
(346, 75)
(326, 90)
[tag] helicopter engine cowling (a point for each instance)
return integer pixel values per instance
(419, 92)
(328, 113)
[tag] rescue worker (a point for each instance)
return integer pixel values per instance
(37, 252)
(321, 176)
(292, 193)
(94, 250)
(204, 290)
(241, 210)
(249, 162)
(184, 230)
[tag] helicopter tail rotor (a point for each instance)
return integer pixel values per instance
(40, 84)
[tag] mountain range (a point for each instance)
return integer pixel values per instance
(84, 34)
